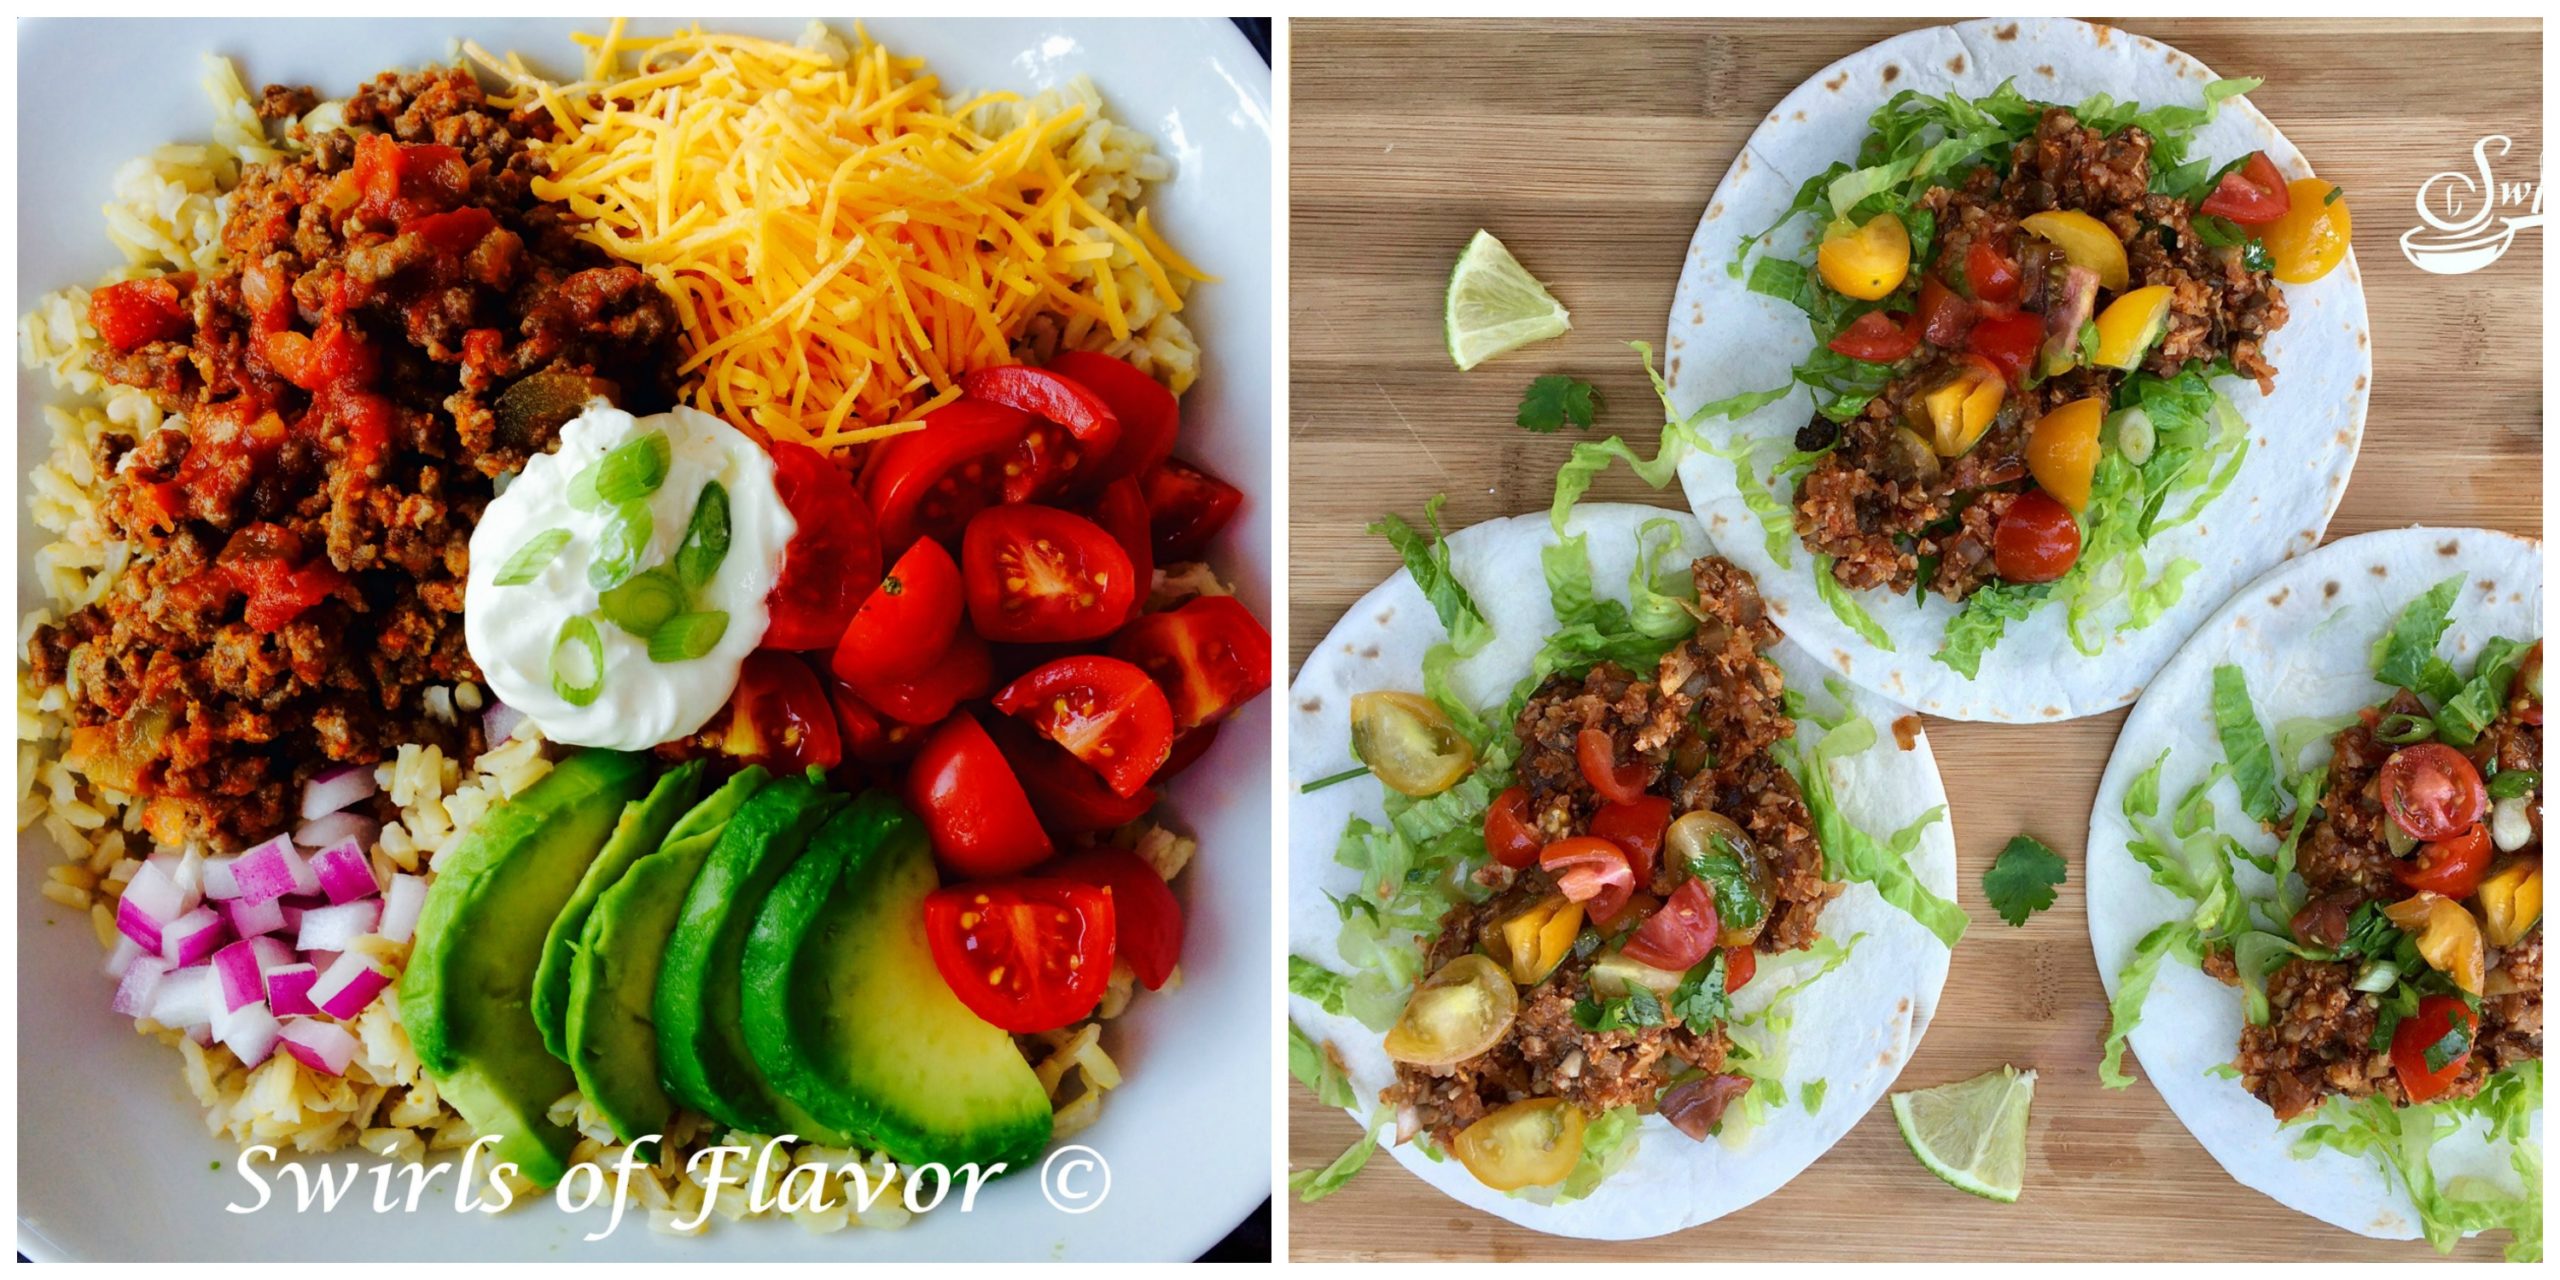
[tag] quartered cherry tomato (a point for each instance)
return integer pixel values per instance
(928, 483)
(1945, 316)
(870, 737)
(1678, 934)
(966, 669)
(1071, 427)
(2036, 539)
(130, 313)
(780, 716)
(1186, 507)
(1992, 274)
(907, 622)
(1121, 510)
(2009, 340)
(833, 559)
(1509, 834)
(1592, 871)
(1069, 799)
(1106, 712)
(2442, 1028)
(1635, 826)
(2250, 195)
(1877, 338)
(1210, 656)
(1149, 416)
(2432, 791)
(1599, 758)
(971, 803)
(2453, 867)
(1038, 575)
(1188, 747)
(1147, 921)
(1025, 955)
(1739, 964)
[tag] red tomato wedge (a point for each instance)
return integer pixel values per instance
(2453, 867)
(1038, 575)
(1210, 657)
(1106, 712)
(1945, 315)
(928, 483)
(2433, 1027)
(833, 559)
(980, 819)
(1678, 934)
(1509, 834)
(1188, 747)
(1026, 955)
(1599, 757)
(2036, 539)
(1590, 870)
(1147, 922)
(2252, 194)
(1992, 274)
(906, 624)
(1069, 799)
(965, 670)
(780, 716)
(130, 313)
(1121, 510)
(1877, 338)
(1635, 826)
(2009, 340)
(1091, 426)
(1739, 964)
(870, 737)
(2433, 791)
(1150, 418)
(1186, 507)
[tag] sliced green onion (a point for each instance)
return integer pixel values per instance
(644, 602)
(618, 550)
(634, 469)
(2401, 729)
(2510, 783)
(706, 536)
(579, 631)
(582, 490)
(532, 558)
(2134, 435)
(2378, 975)
(687, 635)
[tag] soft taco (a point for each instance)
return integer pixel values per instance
(2038, 340)
(1608, 911)
(2315, 886)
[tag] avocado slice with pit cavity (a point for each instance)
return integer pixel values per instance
(644, 826)
(466, 997)
(610, 1028)
(848, 1017)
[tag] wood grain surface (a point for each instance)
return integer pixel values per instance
(1591, 148)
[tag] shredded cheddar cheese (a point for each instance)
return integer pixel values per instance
(841, 243)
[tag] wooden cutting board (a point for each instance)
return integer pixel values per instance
(1590, 148)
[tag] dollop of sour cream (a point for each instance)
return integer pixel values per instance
(512, 630)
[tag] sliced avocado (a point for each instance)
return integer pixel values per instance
(702, 1052)
(849, 1018)
(643, 827)
(466, 998)
(613, 977)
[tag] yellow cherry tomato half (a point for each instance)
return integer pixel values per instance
(1408, 741)
(1865, 261)
(2062, 449)
(2311, 239)
(2084, 240)
(1458, 1012)
(2448, 936)
(1530, 1143)
(1962, 409)
(1532, 943)
(2130, 324)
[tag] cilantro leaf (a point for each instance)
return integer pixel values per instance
(1556, 399)
(2020, 881)
(1700, 1002)
(1637, 1009)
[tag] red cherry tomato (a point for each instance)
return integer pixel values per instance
(1739, 964)
(1509, 835)
(2253, 194)
(1599, 756)
(1188, 747)
(129, 313)
(1069, 799)
(1149, 416)
(833, 560)
(2429, 1028)
(2036, 539)
(907, 622)
(928, 483)
(1121, 510)
(1590, 870)
(1147, 922)
(780, 716)
(1210, 657)
(967, 669)
(1186, 507)
(981, 822)
(1992, 273)
(2433, 791)
(1025, 955)
(1106, 712)
(870, 737)
(1038, 575)
(1945, 316)
(2009, 340)
(2453, 867)
(1678, 934)
(1635, 826)
(1091, 430)
(1876, 338)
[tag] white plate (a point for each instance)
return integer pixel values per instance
(115, 1149)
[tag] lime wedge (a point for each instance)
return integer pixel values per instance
(1495, 305)
(1972, 1134)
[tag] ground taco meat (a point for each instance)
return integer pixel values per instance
(398, 322)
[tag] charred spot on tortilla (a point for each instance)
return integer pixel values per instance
(2329, 590)
(2448, 547)
(2379, 571)
(2009, 32)
(1312, 706)
(2277, 600)
(1891, 73)
(1386, 615)
(2045, 70)
(1370, 652)
(1956, 64)
(1834, 83)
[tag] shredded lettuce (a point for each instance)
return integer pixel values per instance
(2133, 986)
(2467, 713)
(1311, 1185)
(1846, 608)
(1985, 617)
(1316, 1068)
(2405, 656)
(1812, 1092)
(1759, 1038)
(2244, 743)
(1428, 560)
(1851, 854)
(1322, 985)
(2403, 1139)
(2199, 445)
(2295, 734)
(1608, 1142)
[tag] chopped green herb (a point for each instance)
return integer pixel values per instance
(1328, 780)
(2511, 783)
(1554, 400)
(2020, 881)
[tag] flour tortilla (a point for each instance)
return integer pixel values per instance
(1725, 340)
(2303, 635)
(1853, 1029)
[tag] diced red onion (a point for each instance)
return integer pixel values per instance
(250, 1032)
(401, 904)
(137, 925)
(155, 893)
(254, 919)
(218, 882)
(140, 983)
(271, 870)
(201, 1033)
(321, 1046)
(349, 985)
(185, 998)
(344, 872)
(192, 939)
(332, 928)
(330, 828)
(274, 953)
(499, 722)
(235, 973)
(289, 989)
(122, 957)
(333, 789)
(186, 871)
